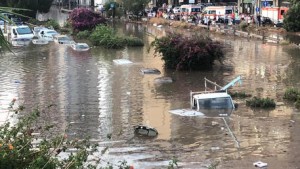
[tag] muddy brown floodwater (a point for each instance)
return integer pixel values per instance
(97, 98)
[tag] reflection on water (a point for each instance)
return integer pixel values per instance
(98, 98)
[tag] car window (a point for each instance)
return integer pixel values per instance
(228, 12)
(212, 12)
(196, 9)
(215, 103)
(52, 32)
(24, 30)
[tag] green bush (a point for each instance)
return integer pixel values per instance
(292, 94)
(83, 34)
(17, 149)
(134, 41)
(239, 94)
(297, 103)
(52, 23)
(106, 36)
(34, 21)
(261, 102)
(188, 53)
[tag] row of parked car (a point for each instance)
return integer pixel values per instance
(44, 35)
(23, 35)
(20, 34)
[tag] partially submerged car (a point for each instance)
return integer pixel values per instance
(80, 47)
(39, 41)
(214, 103)
(20, 35)
(47, 34)
(217, 103)
(63, 39)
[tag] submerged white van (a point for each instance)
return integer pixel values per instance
(20, 35)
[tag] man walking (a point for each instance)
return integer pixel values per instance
(258, 18)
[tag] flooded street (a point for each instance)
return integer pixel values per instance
(92, 96)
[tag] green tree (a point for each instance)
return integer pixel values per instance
(292, 18)
(135, 6)
(4, 44)
(33, 5)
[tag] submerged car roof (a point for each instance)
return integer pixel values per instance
(211, 95)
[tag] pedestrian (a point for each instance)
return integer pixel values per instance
(205, 20)
(248, 19)
(233, 17)
(258, 17)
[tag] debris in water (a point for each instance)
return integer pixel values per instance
(161, 80)
(150, 71)
(215, 148)
(186, 112)
(260, 164)
(122, 61)
(145, 131)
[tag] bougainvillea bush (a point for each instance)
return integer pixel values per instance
(188, 53)
(85, 19)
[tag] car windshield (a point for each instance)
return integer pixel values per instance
(82, 46)
(52, 32)
(216, 103)
(63, 38)
(24, 30)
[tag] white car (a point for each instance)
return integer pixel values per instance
(47, 34)
(176, 10)
(80, 47)
(21, 35)
(63, 39)
(36, 30)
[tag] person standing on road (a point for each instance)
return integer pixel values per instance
(233, 18)
(258, 17)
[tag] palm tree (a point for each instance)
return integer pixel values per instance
(4, 44)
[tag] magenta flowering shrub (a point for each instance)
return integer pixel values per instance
(188, 53)
(84, 19)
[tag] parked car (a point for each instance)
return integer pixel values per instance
(2, 24)
(176, 10)
(16, 20)
(278, 24)
(47, 34)
(20, 35)
(80, 47)
(266, 21)
(63, 39)
(37, 29)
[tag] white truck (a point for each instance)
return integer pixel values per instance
(216, 102)
(214, 12)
